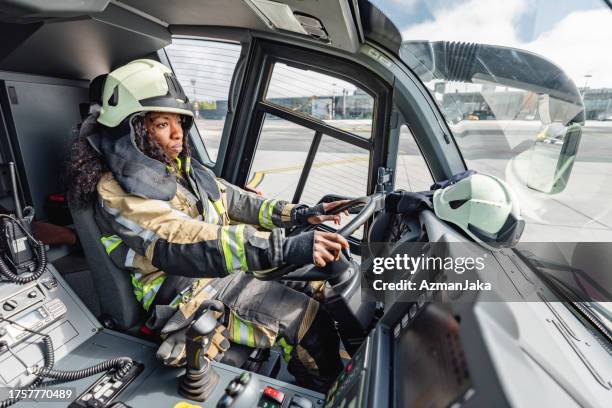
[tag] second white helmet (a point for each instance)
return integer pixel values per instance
(484, 207)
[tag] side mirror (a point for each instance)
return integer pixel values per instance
(553, 156)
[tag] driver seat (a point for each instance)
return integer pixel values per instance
(118, 306)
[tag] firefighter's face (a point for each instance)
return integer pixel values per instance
(166, 128)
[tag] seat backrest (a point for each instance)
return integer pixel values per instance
(112, 284)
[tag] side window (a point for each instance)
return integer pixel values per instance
(411, 171)
(332, 100)
(205, 69)
(305, 162)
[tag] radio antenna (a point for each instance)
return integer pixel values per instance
(15, 191)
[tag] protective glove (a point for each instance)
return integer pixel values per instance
(301, 213)
(214, 343)
(172, 351)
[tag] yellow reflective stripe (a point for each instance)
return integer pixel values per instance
(179, 164)
(236, 329)
(265, 214)
(251, 335)
(240, 247)
(270, 209)
(219, 207)
(187, 164)
(243, 331)
(232, 242)
(262, 211)
(227, 252)
(146, 293)
(137, 284)
(287, 348)
(110, 243)
(150, 290)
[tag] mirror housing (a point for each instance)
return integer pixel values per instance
(552, 157)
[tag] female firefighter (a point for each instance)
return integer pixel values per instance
(186, 236)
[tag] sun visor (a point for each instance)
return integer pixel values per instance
(378, 28)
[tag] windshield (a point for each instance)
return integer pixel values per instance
(526, 88)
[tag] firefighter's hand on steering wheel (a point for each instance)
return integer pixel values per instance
(327, 247)
(326, 208)
(304, 215)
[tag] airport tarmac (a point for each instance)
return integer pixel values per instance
(582, 212)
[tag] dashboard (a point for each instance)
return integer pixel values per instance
(421, 353)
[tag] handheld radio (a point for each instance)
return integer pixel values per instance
(20, 252)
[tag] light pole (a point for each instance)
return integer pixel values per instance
(344, 93)
(586, 82)
(333, 104)
(196, 107)
(193, 84)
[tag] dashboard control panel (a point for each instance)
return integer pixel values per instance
(247, 390)
(27, 311)
(349, 389)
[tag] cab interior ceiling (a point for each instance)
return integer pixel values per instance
(80, 40)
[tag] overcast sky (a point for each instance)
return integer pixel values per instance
(575, 34)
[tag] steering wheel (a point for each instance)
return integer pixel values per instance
(332, 269)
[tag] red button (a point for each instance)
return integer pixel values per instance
(349, 367)
(274, 394)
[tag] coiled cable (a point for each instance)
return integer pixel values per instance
(49, 358)
(122, 366)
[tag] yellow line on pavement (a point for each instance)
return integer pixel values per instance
(259, 175)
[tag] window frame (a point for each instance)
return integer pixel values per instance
(265, 55)
(199, 149)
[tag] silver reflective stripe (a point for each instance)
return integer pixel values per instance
(150, 294)
(244, 333)
(210, 291)
(233, 244)
(129, 224)
(211, 213)
(145, 234)
(129, 258)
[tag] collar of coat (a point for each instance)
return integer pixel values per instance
(143, 176)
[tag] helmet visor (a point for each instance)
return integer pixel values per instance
(174, 98)
(507, 236)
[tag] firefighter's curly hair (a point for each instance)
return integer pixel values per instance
(85, 166)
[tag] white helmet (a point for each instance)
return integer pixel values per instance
(142, 86)
(484, 207)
